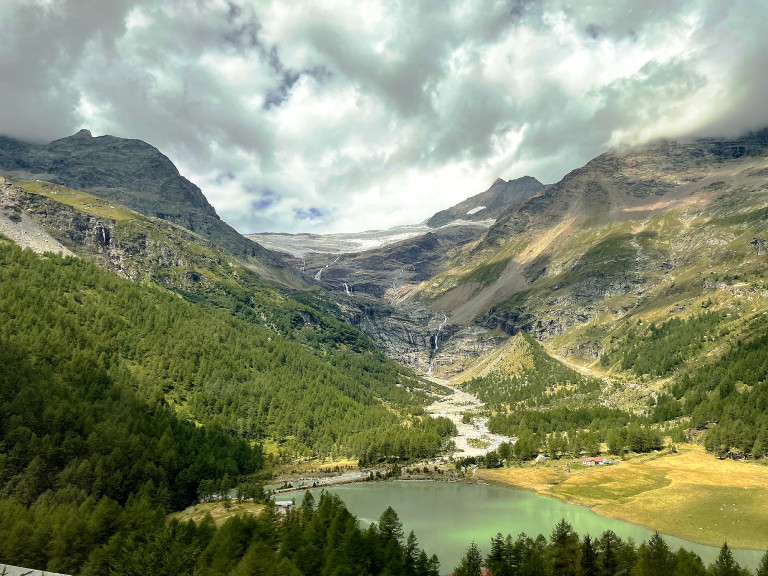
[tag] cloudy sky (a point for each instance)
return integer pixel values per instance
(343, 115)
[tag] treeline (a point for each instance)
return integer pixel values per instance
(730, 395)
(565, 554)
(553, 410)
(560, 419)
(210, 367)
(548, 382)
(315, 539)
(659, 350)
(726, 395)
(572, 444)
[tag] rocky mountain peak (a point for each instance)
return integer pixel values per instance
(491, 204)
(137, 175)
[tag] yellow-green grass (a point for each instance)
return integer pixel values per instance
(689, 494)
(77, 199)
(217, 510)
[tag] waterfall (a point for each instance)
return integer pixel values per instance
(436, 344)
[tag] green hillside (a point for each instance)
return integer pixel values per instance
(210, 367)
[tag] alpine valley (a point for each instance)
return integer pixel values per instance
(152, 359)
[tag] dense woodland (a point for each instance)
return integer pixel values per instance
(210, 367)
(558, 412)
(726, 394)
(83, 460)
(547, 382)
(120, 403)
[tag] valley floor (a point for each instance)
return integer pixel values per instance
(473, 438)
(688, 494)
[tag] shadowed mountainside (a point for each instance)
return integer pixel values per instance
(136, 175)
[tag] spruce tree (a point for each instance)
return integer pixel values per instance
(762, 569)
(725, 565)
(588, 563)
(471, 564)
(564, 549)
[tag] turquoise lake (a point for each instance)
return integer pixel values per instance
(446, 517)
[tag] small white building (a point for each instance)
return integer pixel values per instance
(284, 506)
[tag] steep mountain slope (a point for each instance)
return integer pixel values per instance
(631, 231)
(491, 204)
(586, 266)
(136, 175)
(373, 287)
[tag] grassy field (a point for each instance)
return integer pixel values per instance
(78, 199)
(217, 511)
(689, 494)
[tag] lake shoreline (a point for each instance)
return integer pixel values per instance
(434, 510)
(524, 478)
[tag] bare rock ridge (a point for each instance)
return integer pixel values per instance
(137, 175)
(491, 204)
(610, 238)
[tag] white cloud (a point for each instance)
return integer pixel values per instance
(350, 114)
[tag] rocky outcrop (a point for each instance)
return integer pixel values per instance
(17, 225)
(606, 241)
(137, 175)
(134, 248)
(760, 245)
(491, 204)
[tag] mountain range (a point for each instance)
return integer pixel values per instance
(646, 232)
(150, 356)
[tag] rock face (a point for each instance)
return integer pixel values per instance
(373, 288)
(491, 204)
(17, 225)
(137, 175)
(631, 232)
(121, 247)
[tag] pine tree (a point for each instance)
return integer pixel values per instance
(762, 569)
(498, 558)
(688, 563)
(390, 525)
(564, 549)
(588, 563)
(471, 564)
(608, 561)
(654, 558)
(725, 565)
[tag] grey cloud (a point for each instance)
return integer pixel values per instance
(411, 113)
(40, 52)
(263, 203)
(308, 213)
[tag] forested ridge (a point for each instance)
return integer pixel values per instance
(117, 401)
(83, 460)
(541, 381)
(212, 368)
(723, 391)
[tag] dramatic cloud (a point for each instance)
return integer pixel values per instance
(340, 115)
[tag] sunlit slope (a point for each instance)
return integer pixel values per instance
(637, 235)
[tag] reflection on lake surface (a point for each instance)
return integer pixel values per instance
(447, 517)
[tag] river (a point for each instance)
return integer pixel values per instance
(446, 517)
(473, 438)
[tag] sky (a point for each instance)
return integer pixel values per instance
(348, 115)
